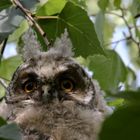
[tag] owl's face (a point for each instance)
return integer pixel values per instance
(50, 76)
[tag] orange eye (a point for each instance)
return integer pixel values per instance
(29, 87)
(67, 85)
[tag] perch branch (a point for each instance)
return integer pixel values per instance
(31, 20)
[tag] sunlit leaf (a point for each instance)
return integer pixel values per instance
(2, 91)
(51, 7)
(117, 102)
(18, 32)
(81, 3)
(8, 66)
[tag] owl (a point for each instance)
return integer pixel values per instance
(52, 97)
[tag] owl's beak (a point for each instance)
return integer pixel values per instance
(49, 93)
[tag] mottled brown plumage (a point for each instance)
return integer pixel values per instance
(52, 97)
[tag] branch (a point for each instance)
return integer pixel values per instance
(3, 48)
(31, 20)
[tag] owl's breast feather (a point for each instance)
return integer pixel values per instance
(65, 119)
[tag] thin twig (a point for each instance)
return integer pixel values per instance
(122, 16)
(126, 23)
(32, 21)
(118, 41)
(129, 29)
(3, 48)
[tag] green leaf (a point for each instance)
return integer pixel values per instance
(99, 26)
(124, 124)
(2, 91)
(2, 122)
(4, 4)
(117, 102)
(103, 4)
(51, 7)
(133, 96)
(109, 71)
(10, 132)
(18, 32)
(11, 18)
(81, 3)
(80, 28)
(117, 3)
(8, 66)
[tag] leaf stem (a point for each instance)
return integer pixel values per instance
(46, 17)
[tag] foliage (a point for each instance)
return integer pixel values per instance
(9, 131)
(110, 68)
(90, 33)
(124, 122)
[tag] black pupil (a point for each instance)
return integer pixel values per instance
(67, 84)
(30, 86)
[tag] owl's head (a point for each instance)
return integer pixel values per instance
(53, 75)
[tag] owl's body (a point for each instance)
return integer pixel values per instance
(53, 97)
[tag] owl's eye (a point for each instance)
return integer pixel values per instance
(29, 86)
(67, 85)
